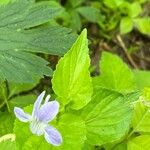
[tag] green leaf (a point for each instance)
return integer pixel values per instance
(126, 25)
(8, 145)
(21, 66)
(143, 25)
(139, 143)
(71, 81)
(76, 3)
(115, 74)
(134, 9)
(141, 121)
(73, 132)
(27, 14)
(121, 146)
(90, 13)
(70, 126)
(113, 4)
(22, 101)
(4, 2)
(146, 93)
(16, 44)
(75, 22)
(88, 147)
(6, 123)
(142, 78)
(107, 117)
(16, 88)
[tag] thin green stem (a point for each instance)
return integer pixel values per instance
(5, 97)
(2, 104)
(6, 102)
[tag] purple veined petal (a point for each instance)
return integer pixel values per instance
(37, 127)
(48, 111)
(53, 136)
(47, 98)
(21, 115)
(37, 104)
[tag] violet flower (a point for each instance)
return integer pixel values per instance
(42, 114)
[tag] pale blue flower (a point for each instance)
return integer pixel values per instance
(42, 114)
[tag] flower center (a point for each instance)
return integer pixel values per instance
(37, 127)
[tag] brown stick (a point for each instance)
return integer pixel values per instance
(126, 51)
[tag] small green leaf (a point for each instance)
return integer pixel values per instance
(107, 117)
(143, 25)
(134, 9)
(22, 101)
(6, 123)
(141, 121)
(126, 25)
(71, 81)
(121, 146)
(88, 147)
(90, 13)
(73, 132)
(141, 142)
(146, 93)
(75, 22)
(76, 3)
(113, 4)
(8, 145)
(16, 88)
(142, 78)
(115, 74)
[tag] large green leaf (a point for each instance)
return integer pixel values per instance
(107, 117)
(17, 64)
(71, 80)
(115, 74)
(139, 143)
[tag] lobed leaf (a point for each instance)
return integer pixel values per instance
(16, 42)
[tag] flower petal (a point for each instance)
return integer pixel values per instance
(53, 136)
(21, 115)
(37, 104)
(47, 98)
(48, 111)
(37, 127)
